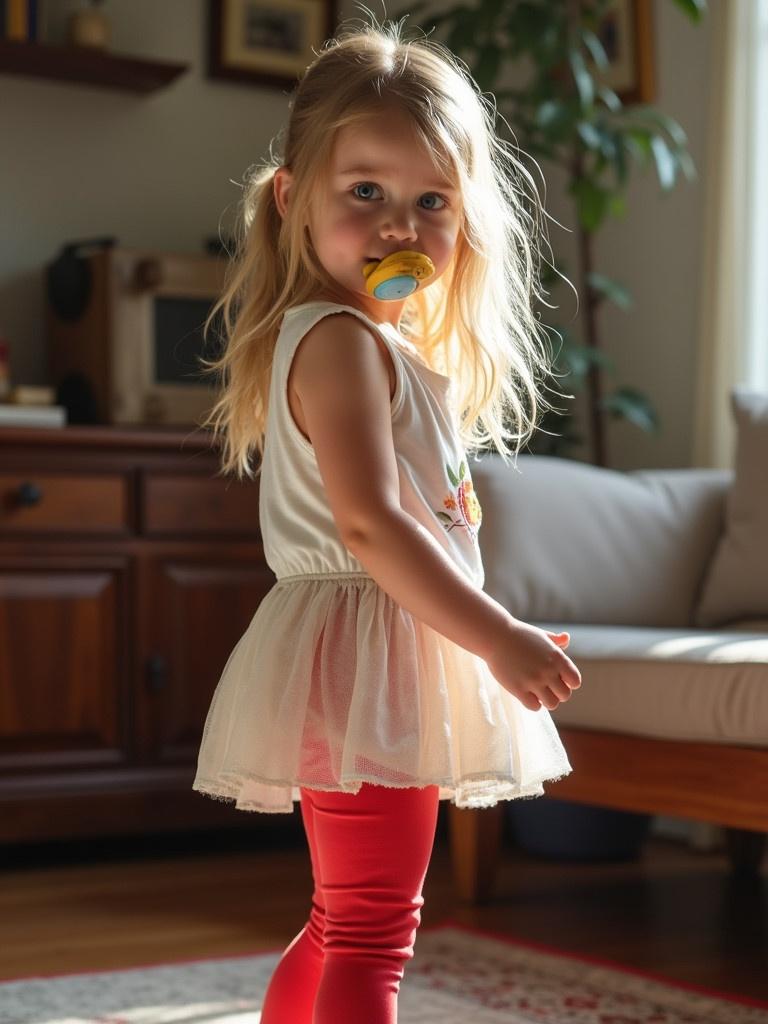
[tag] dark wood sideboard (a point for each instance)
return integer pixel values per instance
(128, 570)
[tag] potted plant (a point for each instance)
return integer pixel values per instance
(562, 112)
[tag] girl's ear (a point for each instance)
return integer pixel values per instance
(282, 182)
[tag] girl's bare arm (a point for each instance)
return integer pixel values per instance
(340, 373)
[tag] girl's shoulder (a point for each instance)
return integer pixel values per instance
(307, 314)
(298, 320)
(330, 305)
(301, 317)
(292, 310)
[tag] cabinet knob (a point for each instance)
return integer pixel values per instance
(28, 493)
(157, 673)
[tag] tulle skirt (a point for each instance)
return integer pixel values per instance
(334, 684)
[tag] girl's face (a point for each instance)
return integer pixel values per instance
(383, 193)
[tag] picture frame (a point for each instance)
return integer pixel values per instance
(266, 42)
(626, 32)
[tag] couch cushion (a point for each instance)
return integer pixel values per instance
(570, 542)
(669, 684)
(736, 584)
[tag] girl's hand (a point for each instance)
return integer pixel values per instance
(529, 663)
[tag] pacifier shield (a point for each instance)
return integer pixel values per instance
(396, 287)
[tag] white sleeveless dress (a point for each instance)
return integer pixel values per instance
(333, 683)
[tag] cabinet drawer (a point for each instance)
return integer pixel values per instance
(172, 503)
(59, 502)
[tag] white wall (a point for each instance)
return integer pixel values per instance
(77, 162)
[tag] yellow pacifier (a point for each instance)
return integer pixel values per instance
(398, 274)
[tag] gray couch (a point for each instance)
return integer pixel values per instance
(660, 577)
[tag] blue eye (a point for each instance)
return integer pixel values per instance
(370, 185)
(363, 184)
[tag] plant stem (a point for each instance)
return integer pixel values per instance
(592, 338)
(584, 239)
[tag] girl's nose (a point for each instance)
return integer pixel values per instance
(399, 225)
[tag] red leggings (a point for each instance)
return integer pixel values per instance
(370, 852)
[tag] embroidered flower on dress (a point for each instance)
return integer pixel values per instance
(462, 500)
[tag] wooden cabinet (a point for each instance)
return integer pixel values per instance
(128, 571)
(63, 684)
(195, 610)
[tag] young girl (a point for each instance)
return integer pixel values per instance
(378, 312)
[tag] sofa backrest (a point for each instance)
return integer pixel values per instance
(566, 541)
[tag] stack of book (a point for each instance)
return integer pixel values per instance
(28, 405)
(19, 19)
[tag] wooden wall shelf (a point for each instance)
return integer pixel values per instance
(85, 66)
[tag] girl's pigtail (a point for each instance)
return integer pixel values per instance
(248, 325)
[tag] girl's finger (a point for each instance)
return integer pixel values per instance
(560, 638)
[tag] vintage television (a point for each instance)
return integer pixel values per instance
(124, 330)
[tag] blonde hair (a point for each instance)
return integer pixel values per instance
(476, 323)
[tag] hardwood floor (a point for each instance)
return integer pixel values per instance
(121, 903)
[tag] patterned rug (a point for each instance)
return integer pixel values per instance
(458, 975)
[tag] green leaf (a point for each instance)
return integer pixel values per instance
(599, 164)
(610, 144)
(462, 34)
(610, 99)
(486, 67)
(637, 141)
(554, 119)
(666, 165)
(617, 206)
(695, 9)
(580, 357)
(650, 115)
(632, 405)
(610, 289)
(619, 158)
(530, 23)
(686, 164)
(589, 135)
(582, 78)
(596, 49)
(548, 113)
(488, 13)
(591, 202)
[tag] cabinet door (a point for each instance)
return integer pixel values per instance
(64, 662)
(196, 611)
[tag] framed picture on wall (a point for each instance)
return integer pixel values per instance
(266, 42)
(626, 33)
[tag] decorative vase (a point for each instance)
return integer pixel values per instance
(88, 27)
